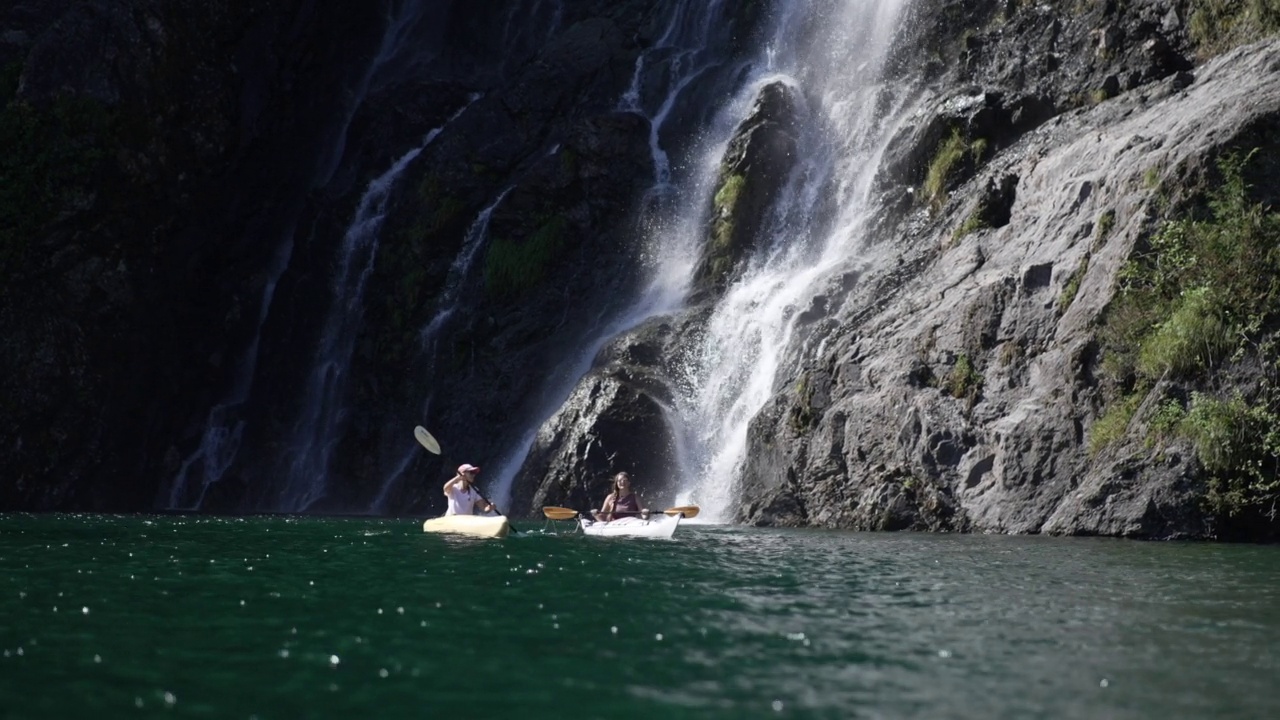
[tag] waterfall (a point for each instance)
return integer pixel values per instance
(459, 272)
(680, 56)
(692, 44)
(316, 431)
(834, 53)
(225, 424)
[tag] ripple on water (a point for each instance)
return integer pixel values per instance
(244, 616)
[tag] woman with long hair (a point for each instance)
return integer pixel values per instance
(623, 502)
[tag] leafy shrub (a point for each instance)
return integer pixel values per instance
(1229, 263)
(1239, 444)
(1232, 263)
(964, 381)
(1192, 338)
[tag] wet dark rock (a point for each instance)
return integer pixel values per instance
(755, 168)
(616, 419)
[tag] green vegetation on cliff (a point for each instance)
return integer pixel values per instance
(1201, 301)
(1219, 25)
(725, 211)
(948, 159)
(514, 267)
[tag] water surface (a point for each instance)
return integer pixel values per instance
(275, 617)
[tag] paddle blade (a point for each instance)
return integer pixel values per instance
(559, 513)
(425, 439)
(688, 511)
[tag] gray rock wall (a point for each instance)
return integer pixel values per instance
(959, 384)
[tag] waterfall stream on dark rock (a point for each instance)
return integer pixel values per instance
(833, 53)
(691, 45)
(225, 425)
(459, 272)
(320, 418)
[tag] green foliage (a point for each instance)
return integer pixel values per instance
(978, 149)
(513, 267)
(1231, 263)
(1205, 290)
(1167, 419)
(1220, 25)
(725, 206)
(1239, 444)
(964, 381)
(971, 224)
(801, 416)
(1191, 339)
(949, 158)
(1106, 222)
(949, 154)
(1113, 423)
(1099, 95)
(1151, 178)
(1072, 287)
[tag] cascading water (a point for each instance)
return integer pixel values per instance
(679, 57)
(224, 427)
(834, 53)
(429, 336)
(692, 44)
(225, 424)
(317, 429)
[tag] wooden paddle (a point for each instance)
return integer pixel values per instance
(426, 440)
(559, 513)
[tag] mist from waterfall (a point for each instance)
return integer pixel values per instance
(692, 43)
(833, 53)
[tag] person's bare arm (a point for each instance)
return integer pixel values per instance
(450, 484)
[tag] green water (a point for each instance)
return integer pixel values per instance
(294, 618)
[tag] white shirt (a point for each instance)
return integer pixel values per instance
(461, 502)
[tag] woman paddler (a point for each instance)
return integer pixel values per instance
(622, 502)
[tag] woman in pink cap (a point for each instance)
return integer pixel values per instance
(462, 496)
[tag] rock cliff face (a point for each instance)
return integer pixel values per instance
(962, 383)
(178, 194)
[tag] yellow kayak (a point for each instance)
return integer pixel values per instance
(476, 525)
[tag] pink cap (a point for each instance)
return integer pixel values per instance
(464, 468)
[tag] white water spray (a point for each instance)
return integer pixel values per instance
(833, 52)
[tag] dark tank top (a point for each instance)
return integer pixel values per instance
(624, 507)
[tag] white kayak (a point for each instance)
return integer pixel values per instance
(659, 526)
(490, 526)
